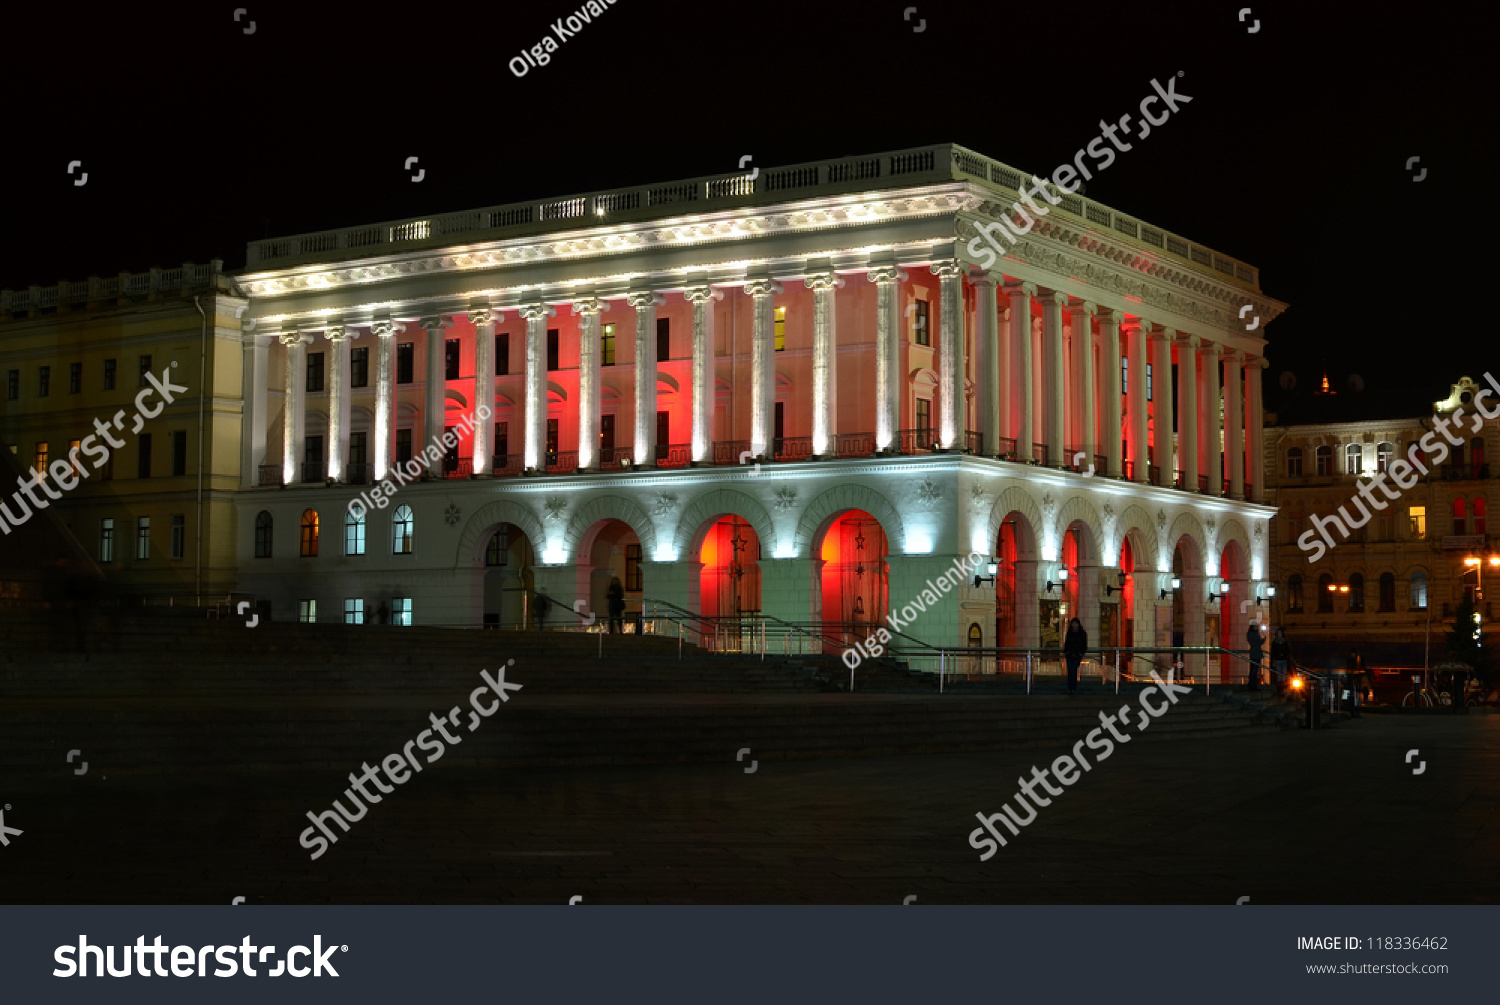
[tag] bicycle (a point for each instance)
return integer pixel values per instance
(1428, 698)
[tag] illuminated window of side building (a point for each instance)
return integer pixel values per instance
(1418, 518)
(921, 331)
(607, 345)
(780, 328)
(354, 610)
(307, 611)
(401, 611)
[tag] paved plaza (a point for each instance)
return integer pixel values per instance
(1335, 816)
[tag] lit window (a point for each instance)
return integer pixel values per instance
(1354, 459)
(354, 532)
(1324, 459)
(354, 610)
(307, 611)
(142, 538)
(401, 611)
(1294, 462)
(179, 536)
(921, 329)
(401, 528)
(310, 533)
(1418, 516)
(1419, 591)
(107, 539)
(632, 567)
(41, 457)
(1383, 453)
(607, 345)
(781, 328)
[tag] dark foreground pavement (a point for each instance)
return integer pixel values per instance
(1330, 817)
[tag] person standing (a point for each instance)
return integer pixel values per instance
(1252, 636)
(1074, 645)
(1281, 657)
(616, 595)
(542, 603)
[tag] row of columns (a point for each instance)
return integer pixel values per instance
(1009, 400)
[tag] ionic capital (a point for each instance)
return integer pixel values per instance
(645, 298)
(949, 269)
(537, 312)
(484, 316)
(589, 306)
(436, 323)
(1027, 288)
(886, 274)
(386, 328)
(702, 294)
(764, 288)
(823, 281)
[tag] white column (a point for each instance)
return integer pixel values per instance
(481, 449)
(645, 304)
(824, 363)
(953, 415)
(535, 434)
(1255, 428)
(762, 365)
(1234, 433)
(1021, 369)
(1136, 330)
(1083, 371)
(1187, 414)
(385, 399)
(590, 391)
(1213, 430)
(1161, 389)
(253, 385)
(987, 360)
(435, 411)
(1113, 397)
(887, 353)
(293, 405)
(1054, 390)
(336, 449)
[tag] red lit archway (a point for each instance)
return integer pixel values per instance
(730, 580)
(854, 576)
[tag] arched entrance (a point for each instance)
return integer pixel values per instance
(1233, 625)
(729, 581)
(509, 585)
(1189, 627)
(610, 550)
(854, 576)
(1016, 612)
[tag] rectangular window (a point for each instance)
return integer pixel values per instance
(142, 538)
(502, 354)
(359, 366)
(179, 536)
(43, 381)
(551, 348)
(1150, 390)
(1387, 527)
(606, 437)
(357, 458)
(1353, 459)
(12, 385)
(77, 461)
(1418, 518)
(107, 539)
(450, 359)
(607, 345)
(39, 461)
(312, 459)
(109, 375)
(1124, 375)
(663, 434)
(143, 456)
(307, 611)
(75, 378)
(663, 339)
(315, 371)
(401, 611)
(551, 441)
(354, 610)
(780, 328)
(145, 365)
(502, 439)
(403, 446)
(924, 413)
(778, 424)
(179, 451)
(406, 352)
(354, 534)
(632, 567)
(921, 323)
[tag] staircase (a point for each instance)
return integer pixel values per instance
(161, 695)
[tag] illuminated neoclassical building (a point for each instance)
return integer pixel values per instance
(796, 392)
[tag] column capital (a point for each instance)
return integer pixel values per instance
(886, 274)
(1048, 296)
(1083, 307)
(533, 312)
(822, 281)
(1021, 287)
(645, 298)
(1108, 315)
(338, 333)
(981, 277)
(291, 336)
(1163, 334)
(436, 322)
(1229, 352)
(386, 328)
(484, 316)
(1259, 361)
(1135, 324)
(950, 268)
(763, 287)
(1190, 341)
(702, 294)
(588, 306)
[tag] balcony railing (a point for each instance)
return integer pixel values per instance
(562, 462)
(1465, 472)
(357, 474)
(729, 451)
(611, 458)
(458, 467)
(312, 472)
(270, 474)
(974, 442)
(1039, 453)
(673, 455)
(916, 441)
(504, 465)
(1007, 451)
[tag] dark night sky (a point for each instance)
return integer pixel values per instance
(1291, 156)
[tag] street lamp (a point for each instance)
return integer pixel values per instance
(994, 567)
(1176, 584)
(1062, 579)
(1478, 565)
(1110, 589)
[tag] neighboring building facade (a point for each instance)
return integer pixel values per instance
(1397, 579)
(908, 397)
(78, 352)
